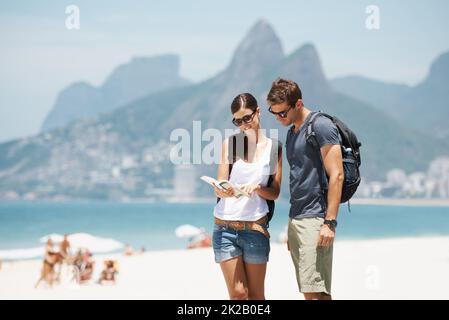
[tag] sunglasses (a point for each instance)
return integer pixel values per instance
(282, 114)
(245, 119)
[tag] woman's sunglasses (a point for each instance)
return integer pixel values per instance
(245, 119)
(282, 114)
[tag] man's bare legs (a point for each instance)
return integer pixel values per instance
(317, 296)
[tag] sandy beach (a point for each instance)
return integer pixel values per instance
(404, 268)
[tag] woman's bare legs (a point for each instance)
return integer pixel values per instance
(234, 274)
(255, 274)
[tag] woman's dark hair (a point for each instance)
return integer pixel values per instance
(239, 143)
(244, 100)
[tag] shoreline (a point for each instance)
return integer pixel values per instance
(401, 202)
(434, 202)
(117, 254)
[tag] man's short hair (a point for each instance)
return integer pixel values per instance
(283, 90)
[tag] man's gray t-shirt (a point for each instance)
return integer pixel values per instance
(307, 199)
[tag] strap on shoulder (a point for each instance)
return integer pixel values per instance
(310, 133)
(312, 139)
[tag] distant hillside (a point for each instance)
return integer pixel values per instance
(135, 79)
(125, 153)
(379, 94)
(424, 107)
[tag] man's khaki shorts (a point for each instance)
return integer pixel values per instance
(313, 264)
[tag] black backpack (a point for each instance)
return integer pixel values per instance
(233, 154)
(350, 149)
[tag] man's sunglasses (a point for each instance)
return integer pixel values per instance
(245, 119)
(282, 114)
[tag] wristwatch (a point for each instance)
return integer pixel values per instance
(331, 223)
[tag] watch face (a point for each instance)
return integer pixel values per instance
(332, 223)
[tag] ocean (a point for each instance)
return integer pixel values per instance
(152, 225)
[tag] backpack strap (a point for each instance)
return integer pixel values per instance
(275, 152)
(313, 141)
(310, 134)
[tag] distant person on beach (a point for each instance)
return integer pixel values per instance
(64, 251)
(109, 272)
(78, 265)
(83, 265)
(203, 240)
(51, 258)
(314, 208)
(49, 246)
(64, 247)
(240, 238)
(128, 250)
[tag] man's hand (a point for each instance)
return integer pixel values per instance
(249, 188)
(327, 235)
(223, 193)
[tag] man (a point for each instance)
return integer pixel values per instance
(64, 247)
(314, 208)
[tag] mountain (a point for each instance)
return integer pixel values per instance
(135, 79)
(379, 94)
(424, 107)
(210, 100)
(259, 50)
(126, 153)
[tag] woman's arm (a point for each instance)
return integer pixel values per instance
(223, 172)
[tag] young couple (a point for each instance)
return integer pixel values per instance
(241, 240)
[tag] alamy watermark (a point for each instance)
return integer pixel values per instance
(72, 22)
(372, 22)
(372, 280)
(203, 146)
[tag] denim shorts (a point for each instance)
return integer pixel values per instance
(229, 243)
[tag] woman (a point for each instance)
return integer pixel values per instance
(51, 258)
(240, 239)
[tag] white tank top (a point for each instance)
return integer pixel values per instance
(255, 207)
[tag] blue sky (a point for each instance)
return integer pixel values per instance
(39, 56)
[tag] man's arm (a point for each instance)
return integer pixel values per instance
(332, 159)
(333, 163)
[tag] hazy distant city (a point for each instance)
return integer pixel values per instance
(111, 142)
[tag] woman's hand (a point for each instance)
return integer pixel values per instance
(223, 193)
(249, 188)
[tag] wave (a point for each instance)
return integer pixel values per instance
(21, 254)
(77, 241)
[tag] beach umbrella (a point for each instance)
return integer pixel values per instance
(94, 244)
(187, 230)
(85, 241)
(53, 236)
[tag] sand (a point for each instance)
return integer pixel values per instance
(403, 268)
